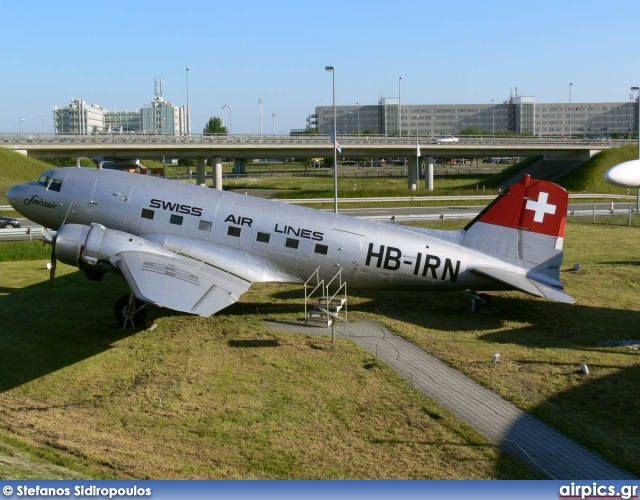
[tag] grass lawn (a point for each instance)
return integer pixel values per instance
(219, 397)
(223, 397)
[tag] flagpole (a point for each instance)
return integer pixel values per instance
(335, 140)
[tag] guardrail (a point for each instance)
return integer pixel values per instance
(23, 233)
(319, 139)
(471, 215)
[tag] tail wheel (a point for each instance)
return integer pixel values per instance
(130, 312)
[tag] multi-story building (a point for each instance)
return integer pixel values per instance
(520, 115)
(79, 118)
(159, 117)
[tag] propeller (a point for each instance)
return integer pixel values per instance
(48, 238)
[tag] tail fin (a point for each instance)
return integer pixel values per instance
(525, 223)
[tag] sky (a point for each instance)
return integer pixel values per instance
(447, 52)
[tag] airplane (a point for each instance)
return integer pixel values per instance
(197, 250)
(625, 174)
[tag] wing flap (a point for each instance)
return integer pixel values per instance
(179, 283)
(524, 284)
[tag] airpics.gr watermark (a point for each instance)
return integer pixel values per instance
(596, 490)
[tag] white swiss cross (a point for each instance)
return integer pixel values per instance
(541, 207)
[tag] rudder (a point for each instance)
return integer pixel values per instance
(526, 222)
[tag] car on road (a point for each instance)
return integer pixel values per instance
(8, 222)
(446, 139)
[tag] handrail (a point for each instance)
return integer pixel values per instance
(319, 283)
(343, 284)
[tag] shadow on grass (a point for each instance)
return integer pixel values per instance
(254, 343)
(44, 330)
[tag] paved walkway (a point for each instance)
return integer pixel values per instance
(499, 420)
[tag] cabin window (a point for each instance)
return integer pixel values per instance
(263, 237)
(205, 225)
(176, 219)
(321, 249)
(292, 243)
(147, 214)
(233, 231)
(56, 185)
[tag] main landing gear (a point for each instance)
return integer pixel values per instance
(130, 311)
(479, 301)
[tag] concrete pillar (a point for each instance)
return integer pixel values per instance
(428, 175)
(217, 172)
(239, 166)
(200, 174)
(412, 174)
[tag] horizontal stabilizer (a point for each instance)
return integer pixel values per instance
(524, 284)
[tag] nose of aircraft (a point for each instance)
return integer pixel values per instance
(12, 196)
(625, 174)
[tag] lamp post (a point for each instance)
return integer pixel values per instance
(630, 115)
(358, 105)
(20, 122)
(332, 69)
(638, 88)
(638, 194)
(417, 154)
(273, 116)
(42, 123)
(260, 103)
(570, 87)
(188, 117)
(399, 108)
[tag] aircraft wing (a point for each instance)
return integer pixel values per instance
(178, 282)
(524, 284)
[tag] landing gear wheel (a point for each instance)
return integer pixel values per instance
(479, 301)
(484, 301)
(130, 312)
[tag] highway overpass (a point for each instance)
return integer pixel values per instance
(246, 147)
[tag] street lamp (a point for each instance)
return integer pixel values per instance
(20, 122)
(358, 105)
(260, 103)
(638, 88)
(188, 124)
(42, 122)
(273, 116)
(399, 108)
(570, 87)
(417, 153)
(332, 69)
(638, 193)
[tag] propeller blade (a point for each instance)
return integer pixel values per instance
(52, 269)
(47, 237)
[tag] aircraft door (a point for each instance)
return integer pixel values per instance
(350, 254)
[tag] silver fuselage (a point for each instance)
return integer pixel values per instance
(261, 240)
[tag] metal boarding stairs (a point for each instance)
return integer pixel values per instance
(320, 305)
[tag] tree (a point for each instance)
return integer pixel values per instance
(214, 126)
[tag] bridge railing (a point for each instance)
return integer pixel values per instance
(324, 140)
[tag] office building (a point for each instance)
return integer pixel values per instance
(518, 115)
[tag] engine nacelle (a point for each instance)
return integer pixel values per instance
(91, 248)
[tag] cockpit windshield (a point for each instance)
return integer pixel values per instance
(50, 183)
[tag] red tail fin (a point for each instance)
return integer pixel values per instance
(530, 205)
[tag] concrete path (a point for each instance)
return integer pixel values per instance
(502, 422)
